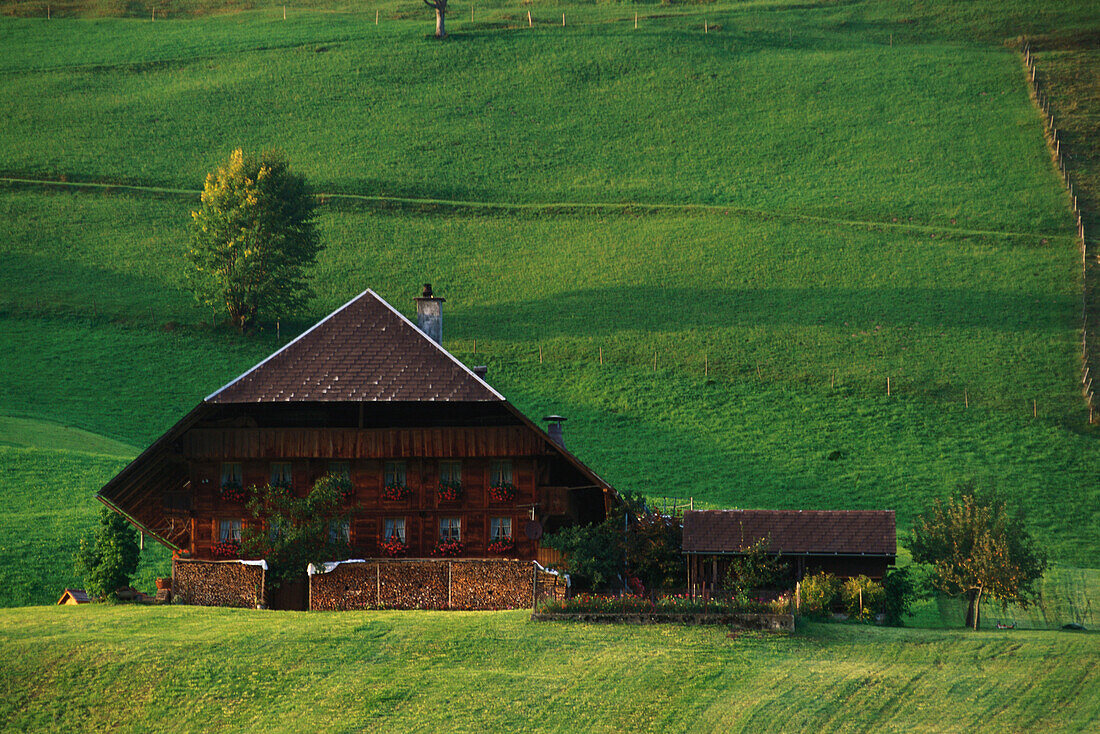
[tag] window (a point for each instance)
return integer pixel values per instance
(393, 527)
(450, 473)
(500, 528)
(339, 531)
(273, 530)
(232, 475)
(501, 473)
(229, 531)
(450, 529)
(340, 469)
(394, 473)
(280, 474)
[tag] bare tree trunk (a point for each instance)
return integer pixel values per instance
(440, 29)
(973, 609)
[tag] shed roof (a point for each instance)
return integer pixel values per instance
(77, 595)
(364, 351)
(799, 532)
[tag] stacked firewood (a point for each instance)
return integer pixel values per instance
(432, 584)
(210, 583)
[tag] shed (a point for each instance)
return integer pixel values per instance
(74, 596)
(842, 542)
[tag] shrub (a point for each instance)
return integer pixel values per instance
(862, 597)
(818, 594)
(111, 559)
(900, 592)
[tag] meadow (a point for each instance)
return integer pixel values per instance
(721, 254)
(193, 669)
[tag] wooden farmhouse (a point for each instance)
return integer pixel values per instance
(435, 456)
(844, 543)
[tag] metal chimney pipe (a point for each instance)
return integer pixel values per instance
(429, 314)
(554, 429)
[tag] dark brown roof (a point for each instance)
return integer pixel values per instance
(363, 351)
(78, 595)
(811, 532)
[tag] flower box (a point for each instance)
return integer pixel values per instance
(393, 547)
(226, 549)
(395, 493)
(233, 492)
(503, 492)
(503, 545)
(449, 549)
(450, 492)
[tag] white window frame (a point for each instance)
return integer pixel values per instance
(501, 472)
(231, 472)
(395, 473)
(229, 529)
(339, 530)
(450, 529)
(393, 527)
(497, 526)
(450, 472)
(282, 472)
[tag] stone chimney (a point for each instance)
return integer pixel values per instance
(429, 314)
(554, 429)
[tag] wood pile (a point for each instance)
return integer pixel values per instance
(432, 584)
(217, 584)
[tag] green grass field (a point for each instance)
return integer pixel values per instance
(757, 230)
(191, 669)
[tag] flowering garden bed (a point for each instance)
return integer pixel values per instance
(740, 620)
(760, 615)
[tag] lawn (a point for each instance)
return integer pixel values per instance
(191, 669)
(712, 261)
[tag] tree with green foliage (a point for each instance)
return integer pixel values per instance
(111, 559)
(298, 531)
(440, 7)
(977, 548)
(591, 553)
(754, 568)
(253, 239)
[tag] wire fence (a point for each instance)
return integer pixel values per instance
(1038, 86)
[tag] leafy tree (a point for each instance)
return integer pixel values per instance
(652, 543)
(976, 547)
(440, 7)
(593, 553)
(754, 568)
(108, 563)
(299, 530)
(900, 586)
(253, 239)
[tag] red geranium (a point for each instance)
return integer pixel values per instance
(503, 492)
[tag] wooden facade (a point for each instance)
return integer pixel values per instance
(364, 454)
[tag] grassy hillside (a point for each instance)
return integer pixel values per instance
(45, 508)
(782, 214)
(208, 669)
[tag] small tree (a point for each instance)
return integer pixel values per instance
(440, 7)
(977, 548)
(754, 568)
(591, 552)
(253, 239)
(299, 530)
(652, 544)
(108, 563)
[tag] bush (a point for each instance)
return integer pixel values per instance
(900, 589)
(818, 594)
(107, 564)
(862, 597)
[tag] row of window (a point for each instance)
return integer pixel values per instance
(394, 472)
(450, 529)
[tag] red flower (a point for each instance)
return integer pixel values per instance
(503, 492)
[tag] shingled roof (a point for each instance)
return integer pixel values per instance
(796, 532)
(364, 351)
